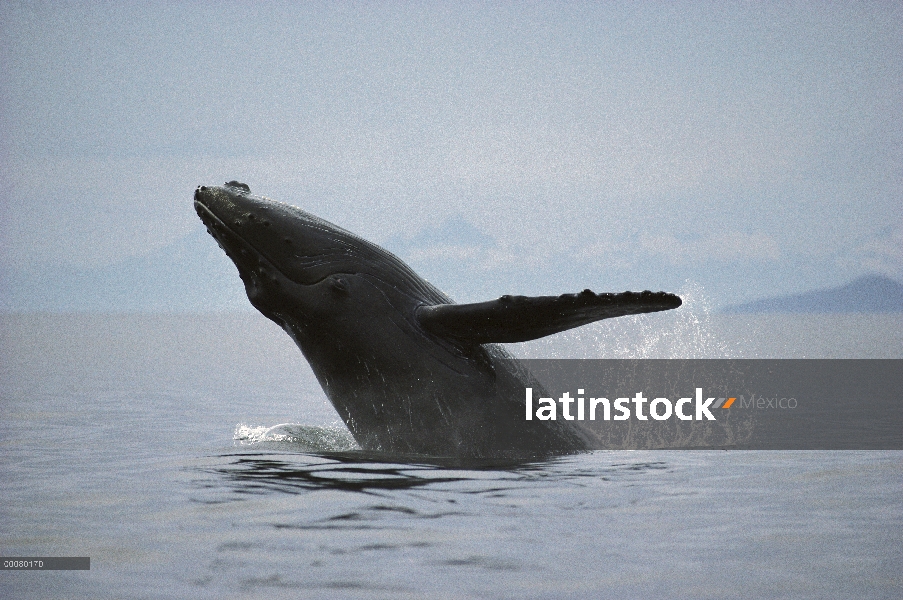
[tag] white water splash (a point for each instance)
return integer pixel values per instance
(686, 332)
(305, 437)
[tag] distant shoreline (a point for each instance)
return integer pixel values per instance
(867, 294)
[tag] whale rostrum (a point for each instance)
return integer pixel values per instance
(407, 369)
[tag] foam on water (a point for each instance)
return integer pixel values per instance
(304, 438)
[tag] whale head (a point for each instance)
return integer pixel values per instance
(282, 252)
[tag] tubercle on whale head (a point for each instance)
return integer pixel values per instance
(224, 211)
(300, 246)
(238, 185)
(294, 265)
(304, 248)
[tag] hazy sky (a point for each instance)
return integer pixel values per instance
(748, 147)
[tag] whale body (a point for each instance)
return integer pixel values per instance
(407, 369)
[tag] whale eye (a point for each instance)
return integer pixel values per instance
(338, 285)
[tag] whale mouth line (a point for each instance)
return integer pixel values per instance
(227, 236)
(218, 229)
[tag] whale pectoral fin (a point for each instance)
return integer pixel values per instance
(522, 318)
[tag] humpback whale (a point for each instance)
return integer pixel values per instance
(408, 370)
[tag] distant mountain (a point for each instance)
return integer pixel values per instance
(870, 293)
(454, 232)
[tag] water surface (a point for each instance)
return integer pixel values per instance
(195, 456)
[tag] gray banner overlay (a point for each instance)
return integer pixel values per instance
(777, 404)
(46, 563)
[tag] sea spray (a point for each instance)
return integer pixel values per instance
(687, 332)
(305, 438)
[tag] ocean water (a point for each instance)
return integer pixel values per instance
(195, 456)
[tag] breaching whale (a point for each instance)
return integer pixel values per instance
(407, 369)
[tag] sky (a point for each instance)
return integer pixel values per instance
(742, 149)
